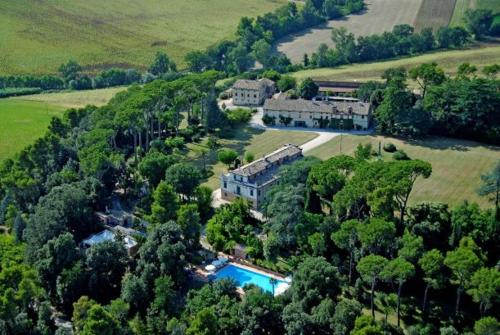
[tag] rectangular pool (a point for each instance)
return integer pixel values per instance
(243, 276)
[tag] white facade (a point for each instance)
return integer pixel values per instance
(252, 92)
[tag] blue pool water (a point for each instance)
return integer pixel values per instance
(243, 277)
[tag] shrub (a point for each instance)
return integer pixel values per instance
(400, 155)
(269, 120)
(239, 116)
(389, 147)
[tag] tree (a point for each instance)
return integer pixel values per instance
(154, 165)
(308, 89)
(184, 177)
(227, 157)
(412, 247)
(487, 326)
(70, 70)
(431, 264)
(249, 157)
(106, 263)
(376, 235)
(162, 64)
(204, 323)
(100, 322)
(188, 218)
(370, 268)
(286, 83)
(463, 262)
(491, 187)
(262, 51)
(398, 270)
(478, 22)
(427, 74)
(165, 203)
(347, 239)
(484, 287)
(71, 285)
(346, 312)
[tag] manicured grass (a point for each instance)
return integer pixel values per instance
(456, 164)
(258, 142)
(75, 99)
(40, 35)
(448, 60)
(22, 122)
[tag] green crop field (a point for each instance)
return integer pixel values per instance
(40, 35)
(456, 165)
(23, 122)
(75, 99)
(258, 142)
(462, 5)
(448, 60)
(25, 118)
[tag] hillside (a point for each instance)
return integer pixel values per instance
(463, 5)
(379, 16)
(40, 35)
(448, 60)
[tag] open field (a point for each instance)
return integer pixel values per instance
(23, 122)
(434, 14)
(463, 5)
(456, 164)
(74, 99)
(40, 35)
(379, 16)
(258, 142)
(448, 60)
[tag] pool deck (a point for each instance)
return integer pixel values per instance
(256, 269)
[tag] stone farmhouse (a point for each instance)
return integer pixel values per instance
(335, 113)
(251, 181)
(252, 92)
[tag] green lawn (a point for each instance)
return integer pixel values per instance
(258, 142)
(75, 99)
(457, 165)
(448, 60)
(23, 122)
(40, 35)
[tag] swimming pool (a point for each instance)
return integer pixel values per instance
(244, 276)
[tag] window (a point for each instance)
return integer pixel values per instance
(255, 95)
(258, 193)
(238, 190)
(225, 184)
(251, 193)
(362, 116)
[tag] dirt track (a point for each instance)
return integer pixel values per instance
(380, 16)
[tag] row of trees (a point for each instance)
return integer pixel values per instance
(255, 37)
(72, 76)
(402, 40)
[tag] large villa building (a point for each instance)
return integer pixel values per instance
(252, 92)
(251, 181)
(335, 113)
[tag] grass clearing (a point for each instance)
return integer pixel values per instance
(456, 164)
(258, 142)
(23, 122)
(41, 35)
(448, 60)
(75, 99)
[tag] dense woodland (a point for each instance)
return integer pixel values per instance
(342, 228)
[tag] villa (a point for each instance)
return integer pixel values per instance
(334, 113)
(108, 235)
(251, 181)
(252, 92)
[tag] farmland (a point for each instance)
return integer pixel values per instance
(448, 60)
(380, 16)
(463, 5)
(457, 165)
(75, 99)
(23, 122)
(40, 35)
